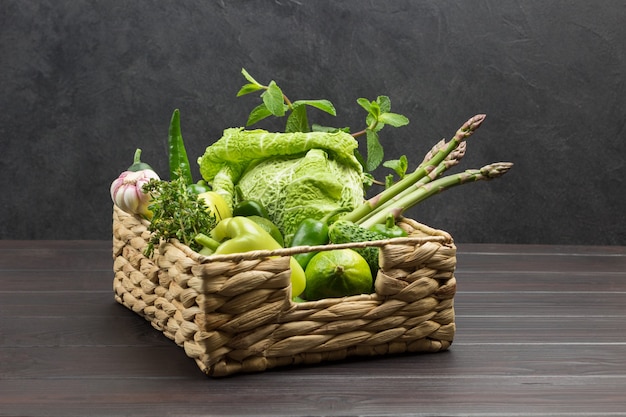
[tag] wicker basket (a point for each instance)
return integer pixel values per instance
(233, 313)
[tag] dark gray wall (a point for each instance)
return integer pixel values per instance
(84, 83)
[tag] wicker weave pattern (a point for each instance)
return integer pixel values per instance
(233, 313)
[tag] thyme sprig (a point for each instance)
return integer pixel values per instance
(177, 213)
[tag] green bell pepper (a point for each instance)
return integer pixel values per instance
(312, 232)
(389, 229)
(240, 234)
(250, 208)
(269, 227)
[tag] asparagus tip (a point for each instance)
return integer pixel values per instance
(496, 169)
(456, 155)
(477, 120)
(469, 127)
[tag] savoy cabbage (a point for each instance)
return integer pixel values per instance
(294, 175)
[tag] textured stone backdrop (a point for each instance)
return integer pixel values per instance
(84, 83)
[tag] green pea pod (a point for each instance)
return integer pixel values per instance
(312, 232)
(179, 162)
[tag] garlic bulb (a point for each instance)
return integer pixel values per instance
(127, 192)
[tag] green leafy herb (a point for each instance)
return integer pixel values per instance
(399, 166)
(298, 120)
(276, 103)
(378, 115)
(375, 152)
(274, 99)
(257, 114)
(177, 213)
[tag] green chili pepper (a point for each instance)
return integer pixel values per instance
(137, 164)
(312, 232)
(250, 208)
(179, 162)
(244, 235)
(389, 229)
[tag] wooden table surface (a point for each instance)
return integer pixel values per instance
(541, 331)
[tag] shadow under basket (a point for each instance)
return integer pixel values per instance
(234, 313)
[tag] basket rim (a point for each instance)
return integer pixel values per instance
(303, 249)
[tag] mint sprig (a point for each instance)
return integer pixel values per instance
(399, 166)
(378, 115)
(276, 103)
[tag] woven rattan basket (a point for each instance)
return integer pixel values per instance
(233, 313)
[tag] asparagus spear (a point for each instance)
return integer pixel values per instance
(463, 133)
(430, 154)
(451, 160)
(422, 192)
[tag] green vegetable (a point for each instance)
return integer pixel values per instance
(209, 245)
(434, 159)
(440, 158)
(337, 273)
(177, 213)
(199, 187)
(269, 227)
(206, 251)
(178, 160)
(216, 204)
(238, 148)
(422, 192)
(452, 159)
(389, 229)
(240, 234)
(137, 164)
(250, 208)
(312, 232)
(295, 176)
(343, 231)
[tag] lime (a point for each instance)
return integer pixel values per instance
(337, 273)
(269, 227)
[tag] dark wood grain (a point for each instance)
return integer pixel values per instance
(541, 331)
